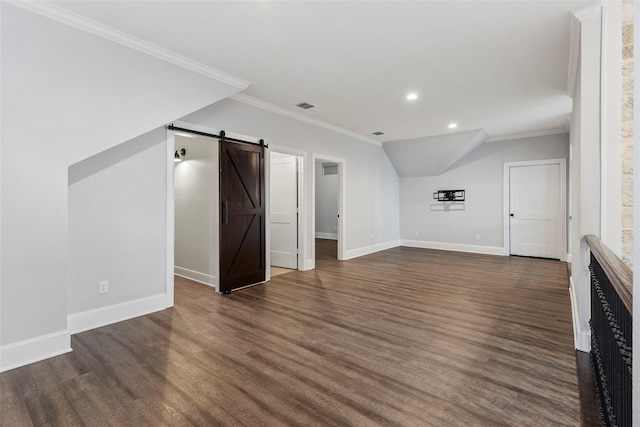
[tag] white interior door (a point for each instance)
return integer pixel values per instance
(284, 211)
(535, 216)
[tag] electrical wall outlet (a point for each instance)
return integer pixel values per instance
(477, 237)
(103, 287)
(415, 232)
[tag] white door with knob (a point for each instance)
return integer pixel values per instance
(536, 210)
(283, 221)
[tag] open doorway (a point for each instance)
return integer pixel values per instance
(196, 209)
(284, 212)
(328, 208)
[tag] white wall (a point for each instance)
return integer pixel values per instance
(585, 188)
(326, 204)
(611, 118)
(480, 174)
(371, 182)
(196, 210)
(117, 227)
(66, 95)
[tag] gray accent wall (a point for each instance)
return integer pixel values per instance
(480, 174)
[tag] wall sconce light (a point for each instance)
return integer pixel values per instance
(179, 153)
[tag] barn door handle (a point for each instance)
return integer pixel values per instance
(225, 212)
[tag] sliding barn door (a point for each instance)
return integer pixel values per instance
(242, 209)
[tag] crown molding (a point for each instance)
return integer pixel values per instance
(574, 54)
(246, 99)
(588, 12)
(527, 135)
(83, 23)
(577, 18)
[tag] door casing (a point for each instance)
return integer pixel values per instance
(563, 201)
(342, 172)
(286, 235)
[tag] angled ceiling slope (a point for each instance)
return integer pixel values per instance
(432, 155)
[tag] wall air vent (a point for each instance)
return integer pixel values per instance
(378, 133)
(305, 105)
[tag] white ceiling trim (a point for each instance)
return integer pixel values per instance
(301, 117)
(574, 55)
(577, 18)
(527, 135)
(588, 12)
(67, 17)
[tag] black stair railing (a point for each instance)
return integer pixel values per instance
(611, 331)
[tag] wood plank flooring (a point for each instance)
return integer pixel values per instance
(403, 337)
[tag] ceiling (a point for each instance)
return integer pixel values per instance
(500, 66)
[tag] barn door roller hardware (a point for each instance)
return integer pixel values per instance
(223, 136)
(449, 195)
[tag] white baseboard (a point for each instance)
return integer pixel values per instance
(476, 249)
(330, 236)
(34, 350)
(196, 276)
(91, 319)
(581, 338)
(308, 264)
(354, 253)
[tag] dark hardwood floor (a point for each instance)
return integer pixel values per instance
(403, 337)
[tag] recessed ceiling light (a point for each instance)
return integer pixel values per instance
(378, 133)
(412, 97)
(452, 125)
(305, 105)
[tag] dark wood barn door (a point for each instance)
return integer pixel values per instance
(242, 215)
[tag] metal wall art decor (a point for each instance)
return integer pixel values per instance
(449, 195)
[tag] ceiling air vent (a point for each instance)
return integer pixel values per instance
(378, 133)
(305, 105)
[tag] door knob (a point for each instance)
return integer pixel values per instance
(511, 215)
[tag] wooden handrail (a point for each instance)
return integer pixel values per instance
(619, 273)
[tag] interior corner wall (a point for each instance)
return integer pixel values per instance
(327, 194)
(117, 227)
(371, 180)
(196, 210)
(426, 222)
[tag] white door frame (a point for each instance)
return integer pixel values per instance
(342, 223)
(302, 211)
(563, 201)
(171, 220)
